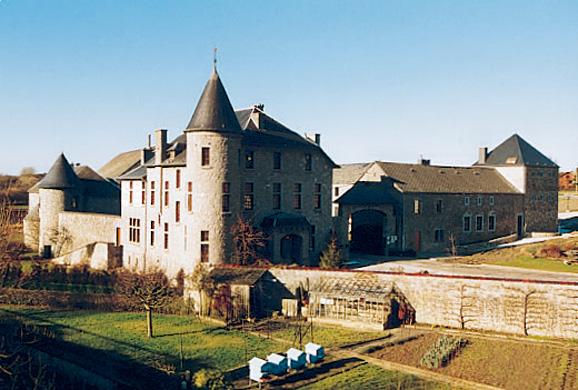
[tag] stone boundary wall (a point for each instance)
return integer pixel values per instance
(528, 307)
(88, 228)
(98, 255)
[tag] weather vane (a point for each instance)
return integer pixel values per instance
(215, 58)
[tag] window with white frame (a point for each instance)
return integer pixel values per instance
(480, 200)
(492, 200)
(492, 222)
(466, 200)
(134, 230)
(467, 223)
(479, 223)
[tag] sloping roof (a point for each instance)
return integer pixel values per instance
(272, 133)
(237, 276)
(60, 176)
(352, 288)
(214, 110)
(349, 173)
(120, 164)
(440, 179)
(516, 151)
(368, 193)
(137, 173)
(87, 173)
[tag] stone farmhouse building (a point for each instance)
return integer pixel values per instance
(397, 208)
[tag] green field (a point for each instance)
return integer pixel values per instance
(371, 377)
(204, 345)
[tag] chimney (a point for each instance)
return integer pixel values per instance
(256, 114)
(483, 155)
(160, 145)
(423, 161)
(314, 137)
(147, 152)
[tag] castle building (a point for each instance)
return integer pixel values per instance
(181, 202)
(396, 208)
(71, 207)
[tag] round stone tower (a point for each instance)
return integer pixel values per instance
(58, 191)
(213, 159)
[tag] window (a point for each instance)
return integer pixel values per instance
(312, 238)
(492, 222)
(134, 230)
(204, 246)
(308, 162)
(276, 196)
(439, 235)
(178, 178)
(226, 198)
(416, 206)
(130, 184)
(439, 206)
(190, 196)
(467, 224)
(297, 196)
(479, 223)
(249, 159)
(276, 160)
(317, 196)
(480, 201)
(166, 194)
(143, 193)
(152, 193)
(466, 200)
(492, 200)
(166, 243)
(248, 197)
(336, 191)
(152, 240)
(177, 211)
(205, 157)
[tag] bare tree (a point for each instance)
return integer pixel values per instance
(150, 289)
(62, 239)
(248, 241)
(453, 245)
(202, 282)
(331, 256)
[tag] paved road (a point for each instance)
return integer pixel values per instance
(434, 266)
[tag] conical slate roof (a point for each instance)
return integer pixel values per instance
(516, 151)
(214, 110)
(60, 176)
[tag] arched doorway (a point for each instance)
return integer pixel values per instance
(367, 232)
(292, 248)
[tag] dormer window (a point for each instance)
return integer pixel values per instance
(249, 159)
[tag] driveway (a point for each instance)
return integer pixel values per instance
(437, 267)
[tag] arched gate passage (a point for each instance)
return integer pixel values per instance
(367, 232)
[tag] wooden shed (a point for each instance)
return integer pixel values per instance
(360, 301)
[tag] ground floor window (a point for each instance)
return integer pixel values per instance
(439, 235)
(479, 223)
(467, 224)
(134, 230)
(491, 222)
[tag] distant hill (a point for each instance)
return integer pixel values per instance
(17, 187)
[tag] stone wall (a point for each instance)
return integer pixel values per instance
(86, 228)
(541, 199)
(537, 308)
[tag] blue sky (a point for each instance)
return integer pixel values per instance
(388, 80)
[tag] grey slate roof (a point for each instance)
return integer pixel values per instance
(120, 164)
(284, 219)
(237, 276)
(214, 110)
(60, 176)
(368, 193)
(440, 179)
(349, 173)
(516, 151)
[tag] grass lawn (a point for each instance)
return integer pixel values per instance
(329, 336)
(124, 335)
(371, 377)
(525, 256)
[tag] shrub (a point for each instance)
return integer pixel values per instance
(442, 351)
(551, 251)
(210, 380)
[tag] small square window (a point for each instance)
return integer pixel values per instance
(204, 235)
